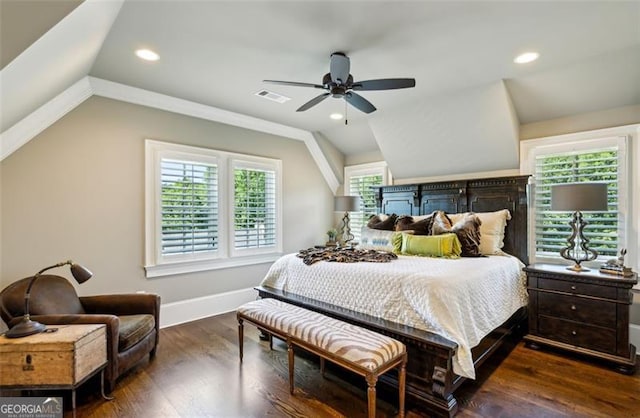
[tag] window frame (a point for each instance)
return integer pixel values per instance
(367, 169)
(157, 265)
(577, 143)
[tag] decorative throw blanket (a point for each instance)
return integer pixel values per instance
(344, 255)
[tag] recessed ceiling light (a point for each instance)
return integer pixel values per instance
(526, 57)
(336, 116)
(147, 54)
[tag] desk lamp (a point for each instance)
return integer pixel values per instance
(28, 327)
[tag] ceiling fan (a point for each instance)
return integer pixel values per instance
(339, 83)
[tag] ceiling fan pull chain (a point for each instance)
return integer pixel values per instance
(346, 120)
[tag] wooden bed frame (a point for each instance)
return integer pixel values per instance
(430, 380)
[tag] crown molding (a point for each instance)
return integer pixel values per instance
(321, 160)
(26, 129)
(129, 94)
(43, 117)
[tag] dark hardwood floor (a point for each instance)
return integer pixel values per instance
(197, 374)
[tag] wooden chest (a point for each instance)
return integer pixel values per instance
(586, 312)
(61, 358)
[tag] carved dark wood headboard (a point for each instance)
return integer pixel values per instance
(477, 195)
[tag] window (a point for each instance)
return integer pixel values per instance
(358, 180)
(255, 214)
(193, 193)
(599, 160)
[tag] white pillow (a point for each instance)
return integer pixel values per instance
(375, 239)
(491, 229)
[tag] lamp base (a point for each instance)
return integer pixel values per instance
(25, 328)
(578, 268)
(577, 249)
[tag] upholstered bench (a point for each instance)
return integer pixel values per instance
(364, 352)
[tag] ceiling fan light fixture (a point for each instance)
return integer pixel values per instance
(336, 116)
(338, 83)
(147, 55)
(526, 57)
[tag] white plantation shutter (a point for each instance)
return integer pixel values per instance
(189, 207)
(361, 186)
(209, 209)
(255, 221)
(600, 165)
(359, 180)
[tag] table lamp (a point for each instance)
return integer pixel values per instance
(578, 198)
(28, 327)
(346, 204)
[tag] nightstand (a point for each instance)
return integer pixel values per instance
(586, 313)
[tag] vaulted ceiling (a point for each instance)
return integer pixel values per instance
(469, 93)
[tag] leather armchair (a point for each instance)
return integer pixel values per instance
(132, 320)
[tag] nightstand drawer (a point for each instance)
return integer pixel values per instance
(580, 335)
(578, 288)
(594, 312)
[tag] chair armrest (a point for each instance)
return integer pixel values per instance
(125, 304)
(111, 321)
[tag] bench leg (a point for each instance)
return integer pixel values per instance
(401, 386)
(291, 365)
(240, 337)
(371, 394)
(322, 366)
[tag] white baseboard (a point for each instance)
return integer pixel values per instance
(634, 336)
(175, 313)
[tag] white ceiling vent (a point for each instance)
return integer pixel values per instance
(275, 97)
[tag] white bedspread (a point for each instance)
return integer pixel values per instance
(462, 299)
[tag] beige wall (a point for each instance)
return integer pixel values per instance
(620, 116)
(364, 158)
(77, 191)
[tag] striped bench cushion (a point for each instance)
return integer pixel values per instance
(367, 349)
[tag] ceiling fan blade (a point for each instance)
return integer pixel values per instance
(313, 102)
(294, 83)
(359, 102)
(339, 68)
(385, 84)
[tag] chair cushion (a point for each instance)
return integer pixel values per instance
(134, 328)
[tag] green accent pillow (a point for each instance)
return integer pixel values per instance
(445, 245)
(396, 242)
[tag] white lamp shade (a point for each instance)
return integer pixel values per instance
(346, 203)
(579, 197)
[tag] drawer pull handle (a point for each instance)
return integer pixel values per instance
(573, 287)
(574, 333)
(573, 307)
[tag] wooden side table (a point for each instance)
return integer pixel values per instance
(585, 312)
(63, 357)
